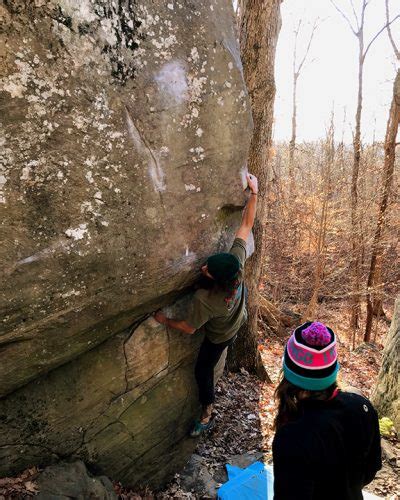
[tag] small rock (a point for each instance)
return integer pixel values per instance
(196, 477)
(72, 480)
(388, 451)
(245, 460)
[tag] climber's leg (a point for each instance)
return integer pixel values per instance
(209, 355)
(206, 413)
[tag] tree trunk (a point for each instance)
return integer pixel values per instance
(319, 269)
(355, 226)
(292, 143)
(390, 153)
(386, 397)
(259, 27)
(276, 319)
(296, 73)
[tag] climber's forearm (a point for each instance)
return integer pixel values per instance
(250, 211)
(182, 326)
(248, 218)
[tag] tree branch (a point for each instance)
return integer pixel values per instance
(296, 34)
(345, 17)
(396, 50)
(308, 46)
(355, 15)
(379, 32)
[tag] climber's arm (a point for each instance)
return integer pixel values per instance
(198, 313)
(182, 326)
(249, 213)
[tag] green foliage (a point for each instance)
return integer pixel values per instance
(386, 426)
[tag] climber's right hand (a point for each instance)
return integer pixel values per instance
(252, 182)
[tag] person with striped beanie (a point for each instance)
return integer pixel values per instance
(310, 360)
(327, 442)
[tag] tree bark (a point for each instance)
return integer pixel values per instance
(355, 226)
(327, 167)
(386, 397)
(276, 319)
(387, 178)
(259, 28)
(296, 73)
(292, 143)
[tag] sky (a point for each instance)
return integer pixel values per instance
(329, 77)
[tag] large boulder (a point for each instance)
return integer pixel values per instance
(125, 129)
(386, 396)
(125, 408)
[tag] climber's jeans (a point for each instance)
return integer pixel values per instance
(209, 355)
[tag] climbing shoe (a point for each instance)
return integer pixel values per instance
(199, 428)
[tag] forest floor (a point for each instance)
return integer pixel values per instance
(245, 409)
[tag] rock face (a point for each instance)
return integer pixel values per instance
(386, 397)
(125, 129)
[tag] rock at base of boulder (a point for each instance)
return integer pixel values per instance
(197, 479)
(72, 480)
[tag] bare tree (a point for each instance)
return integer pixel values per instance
(326, 169)
(374, 304)
(297, 67)
(259, 28)
(357, 28)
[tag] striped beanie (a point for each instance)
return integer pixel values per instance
(310, 359)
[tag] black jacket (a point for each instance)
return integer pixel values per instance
(330, 452)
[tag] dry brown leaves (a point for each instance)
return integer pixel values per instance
(22, 486)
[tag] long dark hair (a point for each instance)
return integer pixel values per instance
(289, 403)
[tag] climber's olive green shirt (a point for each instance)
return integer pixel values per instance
(221, 320)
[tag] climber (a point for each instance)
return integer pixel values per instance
(219, 308)
(327, 443)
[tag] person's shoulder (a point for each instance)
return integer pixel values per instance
(239, 250)
(353, 397)
(201, 294)
(239, 242)
(204, 296)
(356, 401)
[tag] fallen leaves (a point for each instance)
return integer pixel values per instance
(22, 486)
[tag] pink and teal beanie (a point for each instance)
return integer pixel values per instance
(310, 360)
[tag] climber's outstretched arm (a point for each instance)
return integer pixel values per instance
(249, 213)
(182, 326)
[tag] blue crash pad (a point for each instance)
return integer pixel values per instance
(256, 482)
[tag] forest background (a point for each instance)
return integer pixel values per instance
(309, 244)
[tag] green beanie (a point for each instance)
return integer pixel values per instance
(223, 266)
